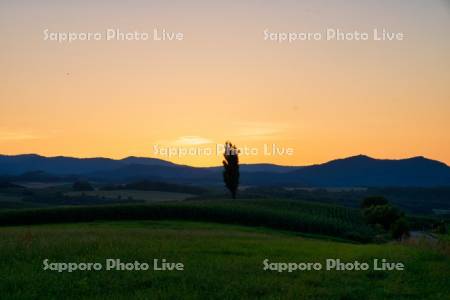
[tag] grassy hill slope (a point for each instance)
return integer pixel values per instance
(221, 262)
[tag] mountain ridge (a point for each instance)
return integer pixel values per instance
(358, 170)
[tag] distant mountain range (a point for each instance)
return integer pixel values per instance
(355, 171)
(62, 165)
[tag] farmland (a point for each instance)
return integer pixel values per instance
(222, 244)
(221, 262)
(147, 196)
(297, 216)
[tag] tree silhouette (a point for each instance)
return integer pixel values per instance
(231, 168)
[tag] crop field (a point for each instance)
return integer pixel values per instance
(296, 216)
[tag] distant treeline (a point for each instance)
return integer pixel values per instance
(410, 199)
(60, 199)
(146, 185)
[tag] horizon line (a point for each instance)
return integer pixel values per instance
(215, 166)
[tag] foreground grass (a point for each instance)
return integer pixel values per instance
(221, 262)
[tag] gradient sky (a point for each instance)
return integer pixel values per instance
(325, 99)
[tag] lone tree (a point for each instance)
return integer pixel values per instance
(231, 168)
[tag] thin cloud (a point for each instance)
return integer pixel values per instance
(17, 136)
(191, 140)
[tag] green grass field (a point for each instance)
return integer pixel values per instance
(221, 262)
(222, 245)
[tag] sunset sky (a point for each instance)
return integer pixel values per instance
(324, 99)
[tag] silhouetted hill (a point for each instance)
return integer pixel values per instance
(174, 173)
(18, 164)
(133, 160)
(362, 170)
(251, 168)
(356, 171)
(39, 176)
